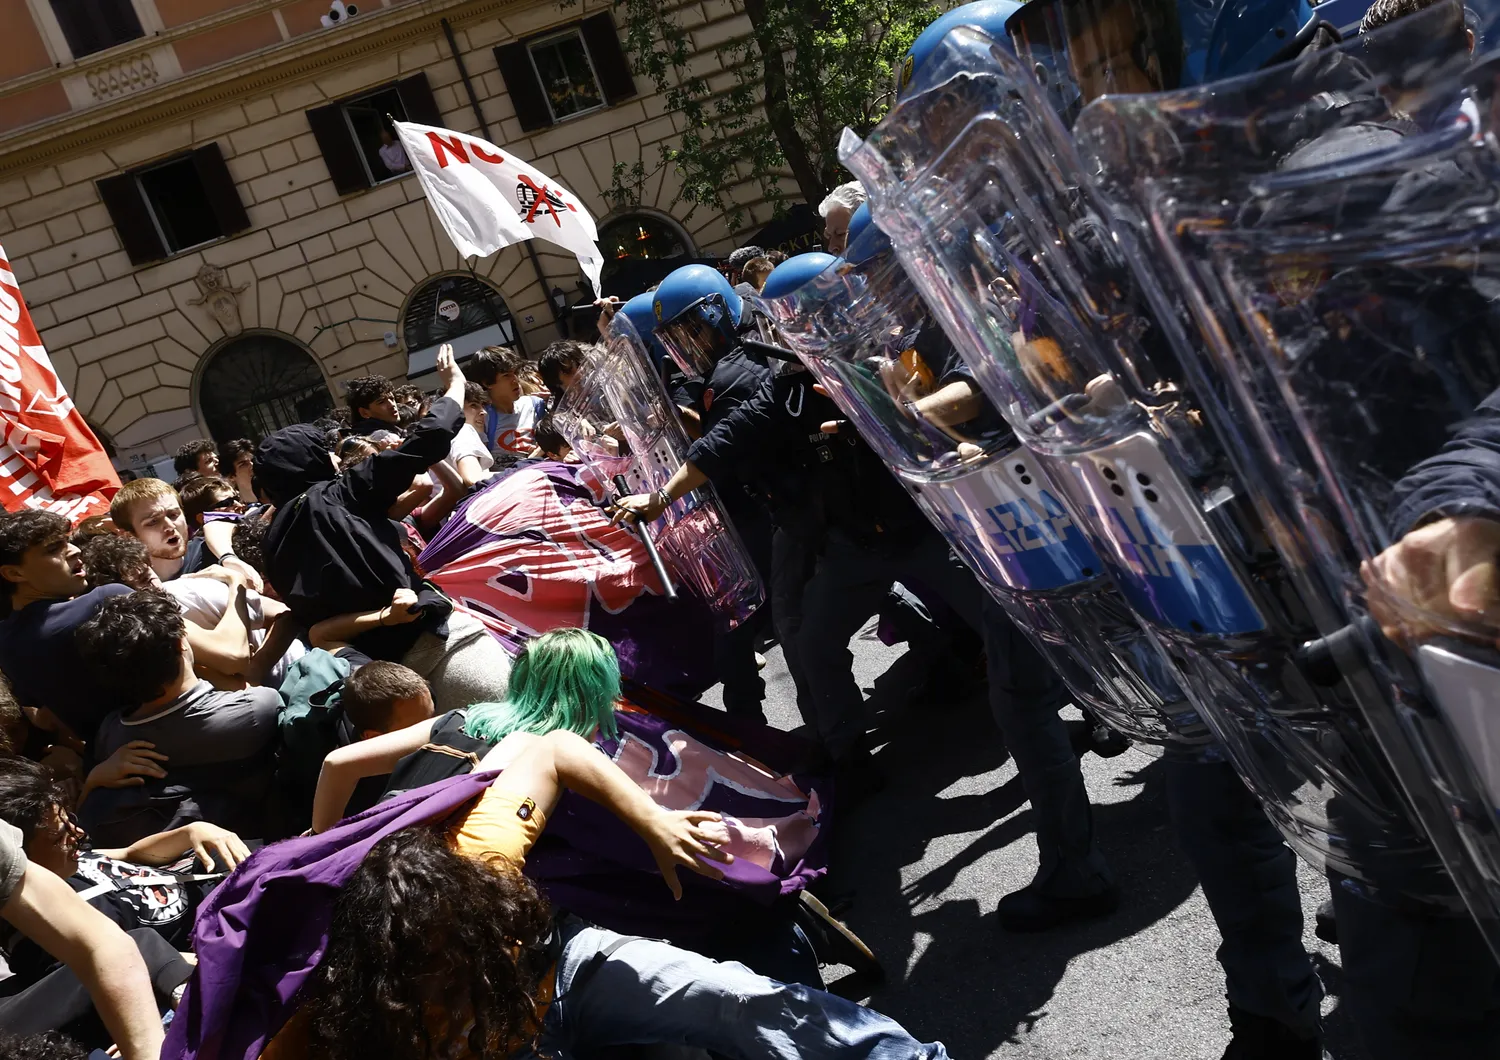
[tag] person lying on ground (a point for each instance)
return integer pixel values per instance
(45, 910)
(409, 977)
(124, 883)
(567, 679)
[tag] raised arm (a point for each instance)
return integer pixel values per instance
(345, 767)
(47, 911)
(374, 485)
(540, 767)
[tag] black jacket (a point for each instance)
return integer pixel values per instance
(1463, 479)
(331, 547)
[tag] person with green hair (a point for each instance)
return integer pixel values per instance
(567, 679)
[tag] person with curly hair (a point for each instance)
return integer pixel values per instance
(198, 457)
(440, 947)
(372, 404)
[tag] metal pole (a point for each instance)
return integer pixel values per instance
(484, 129)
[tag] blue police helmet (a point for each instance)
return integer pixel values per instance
(1249, 34)
(865, 237)
(794, 272)
(639, 312)
(989, 16)
(688, 286)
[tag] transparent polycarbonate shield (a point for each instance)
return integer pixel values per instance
(991, 214)
(863, 330)
(619, 420)
(1340, 262)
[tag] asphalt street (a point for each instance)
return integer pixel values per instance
(928, 858)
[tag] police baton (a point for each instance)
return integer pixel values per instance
(646, 539)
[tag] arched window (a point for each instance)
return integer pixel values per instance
(641, 238)
(259, 383)
(462, 310)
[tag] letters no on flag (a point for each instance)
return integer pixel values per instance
(487, 198)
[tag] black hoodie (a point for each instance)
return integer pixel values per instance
(331, 548)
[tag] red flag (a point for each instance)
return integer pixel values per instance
(48, 456)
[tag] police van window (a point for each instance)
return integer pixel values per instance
(566, 72)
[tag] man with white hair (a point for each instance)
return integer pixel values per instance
(836, 210)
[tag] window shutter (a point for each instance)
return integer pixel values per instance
(127, 209)
(525, 90)
(416, 97)
(218, 185)
(609, 58)
(340, 152)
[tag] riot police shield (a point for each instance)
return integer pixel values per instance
(617, 417)
(863, 330)
(1340, 263)
(986, 198)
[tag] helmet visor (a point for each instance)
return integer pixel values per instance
(698, 336)
(1114, 47)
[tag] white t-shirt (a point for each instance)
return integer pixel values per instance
(204, 601)
(512, 434)
(467, 442)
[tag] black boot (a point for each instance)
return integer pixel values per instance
(1262, 1038)
(1032, 909)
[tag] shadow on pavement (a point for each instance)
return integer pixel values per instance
(951, 972)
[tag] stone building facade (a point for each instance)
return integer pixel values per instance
(211, 232)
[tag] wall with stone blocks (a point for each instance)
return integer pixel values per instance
(128, 340)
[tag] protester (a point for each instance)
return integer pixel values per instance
(46, 597)
(487, 942)
(150, 510)
(470, 458)
(217, 743)
(237, 459)
(103, 966)
(207, 493)
(566, 679)
(336, 550)
(559, 365)
(200, 457)
(511, 418)
(372, 405)
(117, 882)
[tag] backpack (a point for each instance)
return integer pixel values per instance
(449, 752)
(308, 723)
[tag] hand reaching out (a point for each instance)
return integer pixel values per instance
(210, 842)
(690, 840)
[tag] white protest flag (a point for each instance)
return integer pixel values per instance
(487, 198)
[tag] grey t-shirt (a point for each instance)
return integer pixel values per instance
(12, 860)
(200, 727)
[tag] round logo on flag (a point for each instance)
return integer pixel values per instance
(448, 309)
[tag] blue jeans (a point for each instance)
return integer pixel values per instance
(648, 992)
